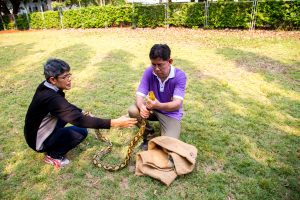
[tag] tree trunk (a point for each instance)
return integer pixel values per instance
(16, 5)
(3, 8)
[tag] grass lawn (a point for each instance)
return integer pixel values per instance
(241, 111)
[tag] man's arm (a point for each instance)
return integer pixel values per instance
(62, 109)
(168, 106)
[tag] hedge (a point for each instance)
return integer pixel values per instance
(52, 20)
(278, 15)
(21, 22)
(97, 17)
(149, 16)
(6, 21)
(224, 14)
(230, 15)
(187, 14)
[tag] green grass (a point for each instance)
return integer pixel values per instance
(241, 111)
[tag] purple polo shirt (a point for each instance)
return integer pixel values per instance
(172, 87)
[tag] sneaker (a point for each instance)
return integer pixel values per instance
(144, 145)
(57, 163)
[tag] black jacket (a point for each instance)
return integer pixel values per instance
(46, 100)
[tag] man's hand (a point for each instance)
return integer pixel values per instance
(123, 122)
(144, 112)
(150, 104)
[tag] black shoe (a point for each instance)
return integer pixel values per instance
(144, 145)
(149, 130)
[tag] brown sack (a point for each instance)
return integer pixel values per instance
(165, 159)
(155, 163)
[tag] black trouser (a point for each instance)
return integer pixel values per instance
(63, 139)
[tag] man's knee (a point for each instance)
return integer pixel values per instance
(84, 132)
(170, 127)
(80, 134)
(133, 111)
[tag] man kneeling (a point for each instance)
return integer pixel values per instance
(168, 85)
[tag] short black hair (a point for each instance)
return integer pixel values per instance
(162, 51)
(55, 67)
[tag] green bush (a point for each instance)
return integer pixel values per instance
(51, 20)
(187, 15)
(22, 22)
(230, 15)
(278, 14)
(5, 22)
(71, 18)
(10, 25)
(149, 16)
(123, 16)
(57, 5)
(36, 20)
(222, 14)
(47, 20)
(97, 17)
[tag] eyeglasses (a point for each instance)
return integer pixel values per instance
(66, 76)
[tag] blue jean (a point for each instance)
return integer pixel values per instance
(63, 139)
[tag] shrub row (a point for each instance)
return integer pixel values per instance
(230, 15)
(97, 17)
(187, 15)
(279, 14)
(270, 14)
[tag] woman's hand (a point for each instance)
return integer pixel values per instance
(123, 122)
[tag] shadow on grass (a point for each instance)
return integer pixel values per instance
(77, 55)
(23, 83)
(288, 75)
(241, 151)
(16, 96)
(108, 93)
(239, 142)
(111, 87)
(10, 54)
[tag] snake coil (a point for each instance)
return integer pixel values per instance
(107, 149)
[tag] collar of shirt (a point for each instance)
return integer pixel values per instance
(162, 84)
(171, 74)
(49, 85)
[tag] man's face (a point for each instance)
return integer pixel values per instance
(161, 67)
(63, 81)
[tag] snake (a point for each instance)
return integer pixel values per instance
(97, 157)
(104, 151)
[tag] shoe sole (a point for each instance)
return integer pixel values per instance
(55, 163)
